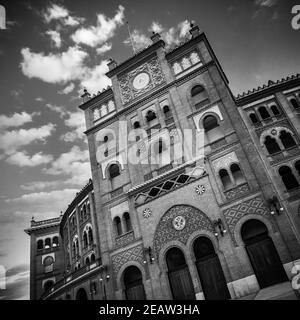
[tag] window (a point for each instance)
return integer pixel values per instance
(209, 123)
(263, 112)
(287, 139)
(48, 285)
(90, 235)
(275, 110)
(161, 146)
(150, 116)
(136, 125)
(84, 211)
(118, 227)
(226, 181)
(87, 261)
(85, 239)
(197, 90)
(288, 178)
(47, 243)
(295, 104)
(271, 145)
(199, 96)
(48, 264)
(167, 111)
(105, 139)
(127, 221)
(297, 167)
(93, 258)
(237, 173)
(40, 244)
(253, 118)
(55, 242)
(114, 170)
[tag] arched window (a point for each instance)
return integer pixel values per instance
(113, 170)
(118, 226)
(263, 112)
(48, 264)
(297, 167)
(199, 96)
(90, 235)
(237, 173)
(150, 116)
(197, 90)
(88, 208)
(167, 111)
(84, 211)
(209, 123)
(77, 246)
(47, 243)
(295, 104)
(225, 178)
(136, 125)
(40, 244)
(127, 221)
(253, 118)
(271, 145)
(85, 239)
(275, 110)
(288, 178)
(105, 138)
(48, 285)
(55, 242)
(74, 249)
(93, 258)
(161, 146)
(287, 139)
(87, 261)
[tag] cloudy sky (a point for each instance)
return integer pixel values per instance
(52, 49)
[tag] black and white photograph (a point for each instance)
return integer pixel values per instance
(150, 151)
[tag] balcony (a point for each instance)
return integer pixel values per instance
(124, 239)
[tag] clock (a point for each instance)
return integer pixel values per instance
(141, 81)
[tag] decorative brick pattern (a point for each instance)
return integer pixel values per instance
(235, 213)
(237, 191)
(124, 239)
(195, 220)
(132, 254)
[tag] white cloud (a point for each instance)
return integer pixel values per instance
(58, 109)
(104, 30)
(54, 68)
(10, 141)
(15, 120)
(68, 89)
(140, 40)
(266, 3)
(95, 79)
(22, 159)
(55, 37)
(39, 99)
(106, 47)
(74, 164)
(58, 12)
(76, 123)
(156, 27)
(41, 185)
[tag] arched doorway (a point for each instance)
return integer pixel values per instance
(133, 281)
(262, 253)
(179, 275)
(210, 271)
(81, 295)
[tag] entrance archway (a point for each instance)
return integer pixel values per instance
(210, 270)
(133, 281)
(262, 253)
(81, 295)
(179, 275)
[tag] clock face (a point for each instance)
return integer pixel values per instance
(141, 81)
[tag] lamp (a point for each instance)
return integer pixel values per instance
(104, 273)
(148, 252)
(275, 206)
(218, 224)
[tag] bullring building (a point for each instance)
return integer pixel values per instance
(172, 225)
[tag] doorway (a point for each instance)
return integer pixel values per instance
(133, 281)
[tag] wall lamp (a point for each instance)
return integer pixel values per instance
(275, 206)
(218, 224)
(148, 252)
(104, 273)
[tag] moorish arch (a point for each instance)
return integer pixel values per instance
(178, 223)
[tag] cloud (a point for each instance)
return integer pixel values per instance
(76, 123)
(10, 141)
(41, 185)
(39, 99)
(265, 3)
(106, 47)
(104, 30)
(58, 12)
(74, 164)
(68, 89)
(17, 283)
(58, 109)
(54, 68)
(22, 159)
(15, 120)
(95, 79)
(171, 36)
(55, 37)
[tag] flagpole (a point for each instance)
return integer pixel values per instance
(133, 48)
